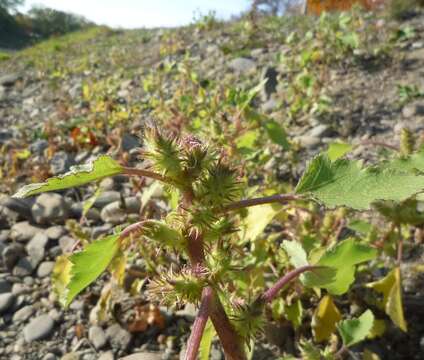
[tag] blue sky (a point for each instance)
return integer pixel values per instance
(143, 13)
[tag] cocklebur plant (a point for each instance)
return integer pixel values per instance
(204, 231)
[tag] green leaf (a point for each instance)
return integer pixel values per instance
(82, 268)
(246, 142)
(356, 330)
(258, 218)
(342, 258)
(88, 204)
(295, 252)
(206, 342)
(391, 288)
(294, 313)
(360, 226)
(162, 233)
(101, 167)
(325, 318)
(277, 134)
(347, 183)
(297, 256)
(337, 150)
(410, 163)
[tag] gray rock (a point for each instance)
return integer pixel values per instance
(270, 87)
(308, 141)
(413, 109)
(20, 206)
(189, 311)
(9, 79)
(108, 355)
(5, 286)
(319, 131)
(113, 213)
(23, 268)
(129, 142)
(143, 356)
(45, 269)
(242, 65)
(98, 231)
(97, 337)
(82, 157)
(55, 232)
(36, 248)
(71, 356)
(106, 198)
(5, 135)
(50, 208)
(39, 328)
(23, 314)
(49, 356)
(24, 231)
(270, 105)
(38, 146)
(11, 255)
(132, 204)
(107, 184)
(67, 243)
(6, 302)
(61, 162)
(118, 337)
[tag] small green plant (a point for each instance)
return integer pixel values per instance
(4, 56)
(211, 205)
(408, 93)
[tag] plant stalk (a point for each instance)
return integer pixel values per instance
(279, 198)
(146, 173)
(199, 324)
(273, 291)
(230, 340)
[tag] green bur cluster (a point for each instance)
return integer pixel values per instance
(202, 230)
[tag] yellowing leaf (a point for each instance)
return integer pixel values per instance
(258, 218)
(117, 267)
(378, 329)
(391, 288)
(206, 342)
(325, 318)
(369, 355)
(61, 277)
(86, 93)
(100, 168)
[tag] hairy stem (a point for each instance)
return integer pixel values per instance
(279, 198)
(273, 291)
(230, 340)
(146, 173)
(199, 324)
(196, 251)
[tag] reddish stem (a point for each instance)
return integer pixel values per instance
(279, 198)
(146, 173)
(199, 324)
(228, 336)
(195, 248)
(273, 291)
